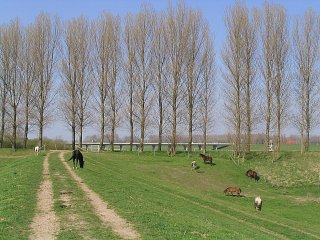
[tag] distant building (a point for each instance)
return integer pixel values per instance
(291, 141)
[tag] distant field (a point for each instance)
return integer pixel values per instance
(254, 147)
(287, 147)
(164, 199)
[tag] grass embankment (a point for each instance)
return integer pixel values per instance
(20, 176)
(164, 199)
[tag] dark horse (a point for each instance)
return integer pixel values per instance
(232, 190)
(252, 174)
(206, 159)
(77, 157)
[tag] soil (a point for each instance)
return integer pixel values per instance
(45, 223)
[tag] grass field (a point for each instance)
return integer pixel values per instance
(164, 199)
(20, 176)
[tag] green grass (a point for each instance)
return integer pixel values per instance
(20, 176)
(164, 199)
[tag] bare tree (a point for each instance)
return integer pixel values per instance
(68, 98)
(198, 29)
(249, 59)
(159, 51)
(102, 42)
(142, 42)
(267, 65)
(207, 95)
(306, 57)
(281, 81)
(176, 34)
(29, 77)
(101, 58)
(114, 89)
(274, 67)
(13, 43)
(4, 76)
(130, 70)
(84, 78)
(75, 88)
(46, 37)
(232, 55)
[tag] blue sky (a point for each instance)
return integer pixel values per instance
(212, 10)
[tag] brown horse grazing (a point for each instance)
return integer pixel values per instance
(252, 174)
(206, 159)
(232, 190)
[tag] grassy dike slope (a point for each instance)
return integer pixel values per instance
(164, 199)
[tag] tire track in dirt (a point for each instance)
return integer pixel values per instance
(107, 215)
(45, 223)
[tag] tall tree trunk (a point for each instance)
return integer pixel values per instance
(40, 137)
(113, 130)
(160, 121)
(73, 136)
(308, 120)
(238, 121)
(113, 116)
(268, 112)
(14, 129)
(102, 126)
(80, 135)
(190, 125)
(131, 114)
(26, 127)
(3, 113)
(278, 143)
(143, 119)
(174, 116)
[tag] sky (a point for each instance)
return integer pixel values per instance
(213, 11)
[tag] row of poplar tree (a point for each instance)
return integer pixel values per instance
(271, 73)
(151, 71)
(154, 72)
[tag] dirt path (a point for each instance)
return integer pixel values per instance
(45, 224)
(108, 216)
